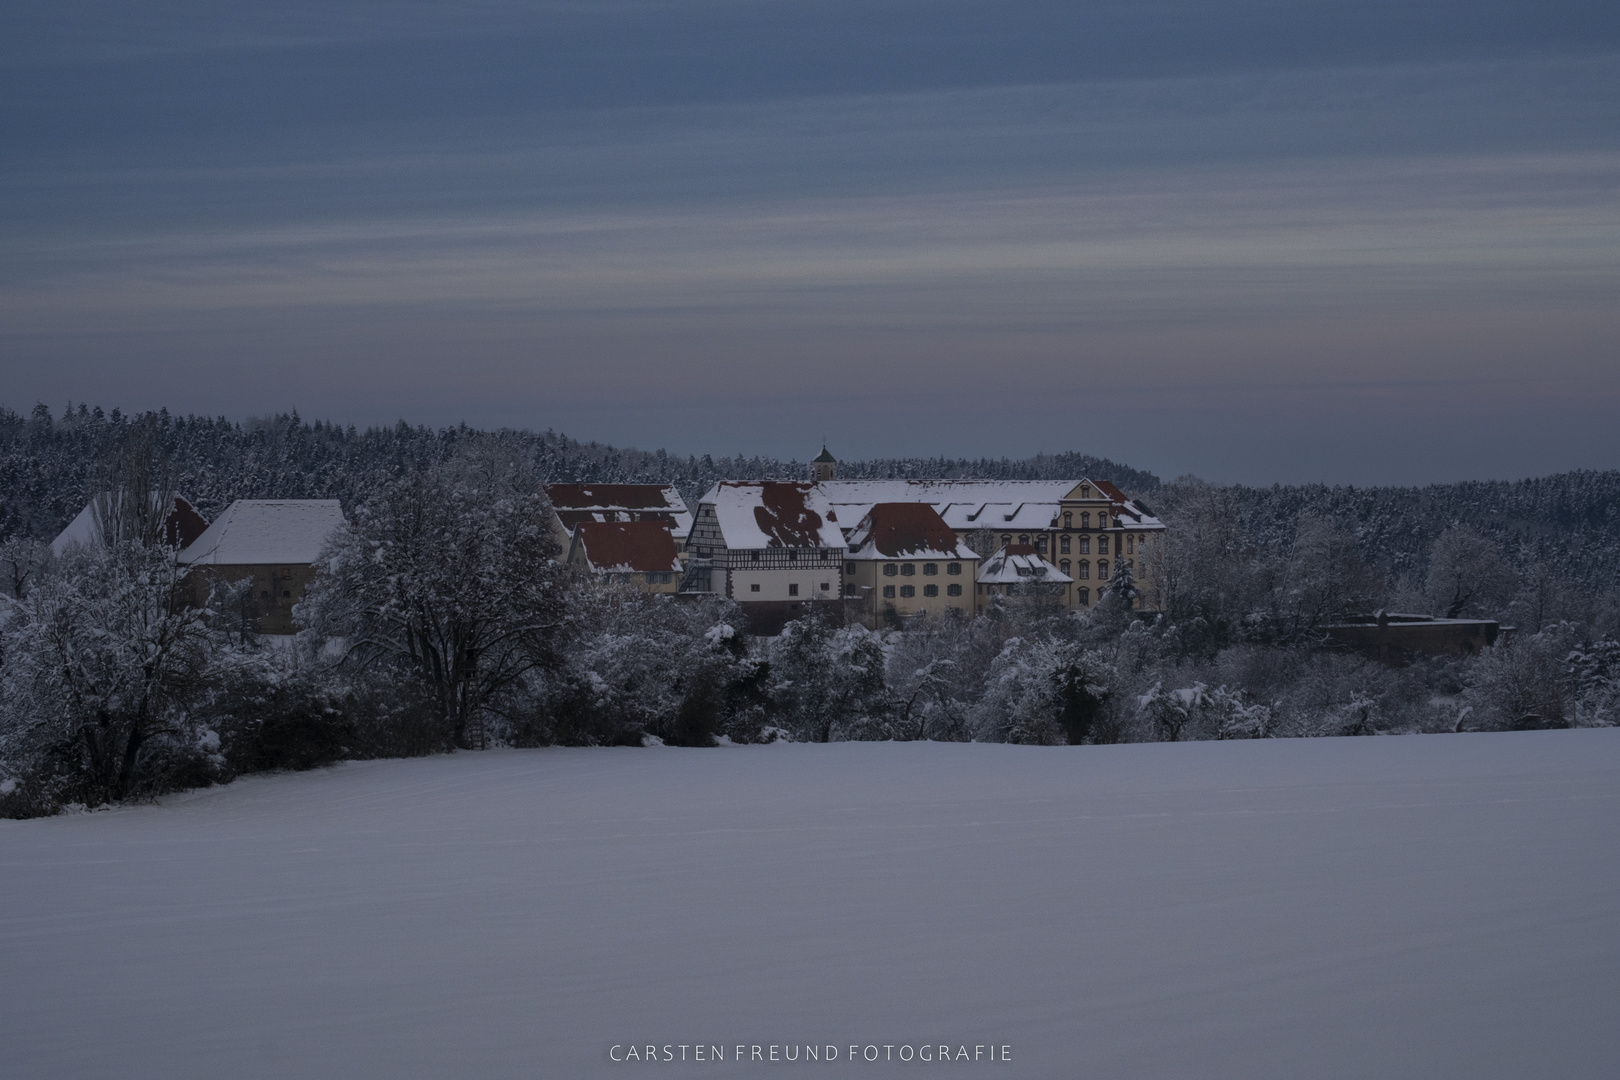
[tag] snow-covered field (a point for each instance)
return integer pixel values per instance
(1435, 906)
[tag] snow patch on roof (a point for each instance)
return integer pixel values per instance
(773, 513)
(280, 532)
(575, 503)
(1019, 562)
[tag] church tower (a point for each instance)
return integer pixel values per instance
(826, 466)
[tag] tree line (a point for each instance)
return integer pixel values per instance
(438, 619)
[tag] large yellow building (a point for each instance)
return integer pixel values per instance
(904, 562)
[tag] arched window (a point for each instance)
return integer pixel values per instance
(1085, 545)
(1063, 545)
(1064, 566)
(1085, 519)
(1085, 570)
(1102, 569)
(1085, 597)
(1023, 538)
(1006, 538)
(1040, 544)
(1102, 545)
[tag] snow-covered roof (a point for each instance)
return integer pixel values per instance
(773, 513)
(905, 530)
(1019, 562)
(182, 528)
(626, 547)
(254, 532)
(1014, 505)
(575, 503)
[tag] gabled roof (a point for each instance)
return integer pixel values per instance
(1019, 562)
(905, 530)
(256, 532)
(773, 513)
(576, 503)
(181, 529)
(623, 547)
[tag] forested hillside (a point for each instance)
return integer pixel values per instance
(1568, 524)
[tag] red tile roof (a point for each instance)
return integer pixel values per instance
(1109, 490)
(783, 516)
(628, 546)
(898, 529)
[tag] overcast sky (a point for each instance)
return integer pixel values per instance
(1372, 242)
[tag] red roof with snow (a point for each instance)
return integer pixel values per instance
(897, 529)
(628, 546)
(1109, 490)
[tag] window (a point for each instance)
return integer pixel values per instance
(1102, 569)
(888, 592)
(753, 588)
(1068, 519)
(264, 594)
(1085, 597)
(1023, 538)
(793, 556)
(1102, 545)
(1063, 545)
(1064, 566)
(1085, 519)
(930, 590)
(1102, 521)
(826, 586)
(793, 590)
(1130, 545)
(851, 589)
(849, 568)
(1084, 568)
(953, 568)
(908, 569)
(981, 590)
(286, 592)
(1085, 545)
(1006, 538)
(753, 556)
(953, 589)
(890, 570)
(930, 569)
(657, 578)
(1040, 544)
(908, 590)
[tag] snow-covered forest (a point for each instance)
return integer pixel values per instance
(439, 620)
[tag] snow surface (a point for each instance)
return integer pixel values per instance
(1428, 906)
(255, 532)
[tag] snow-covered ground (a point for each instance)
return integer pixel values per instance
(1437, 906)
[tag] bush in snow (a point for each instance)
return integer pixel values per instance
(827, 683)
(97, 665)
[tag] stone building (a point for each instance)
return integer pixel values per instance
(271, 542)
(903, 562)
